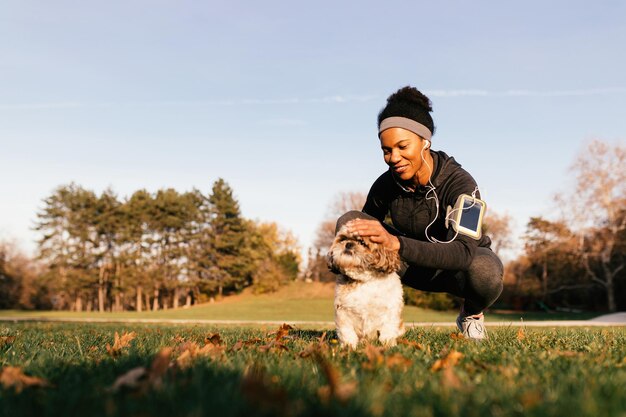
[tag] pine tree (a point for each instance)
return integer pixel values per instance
(232, 268)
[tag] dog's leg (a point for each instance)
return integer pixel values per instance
(390, 332)
(345, 329)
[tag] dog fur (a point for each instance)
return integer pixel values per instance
(368, 292)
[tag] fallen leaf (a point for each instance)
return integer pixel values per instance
(342, 392)
(190, 351)
(240, 344)
(142, 379)
(449, 378)
(274, 346)
(312, 348)
(450, 360)
(398, 361)
(457, 336)
(120, 342)
(411, 343)
(509, 372)
(566, 353)
(259, 390)
(133, 379)
(13, 377)
(213, 338)
(159, 367)
(282, 331)
(531, 398)
(520, 334)
(6, 340)
(374, 356)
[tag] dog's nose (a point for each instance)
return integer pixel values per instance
(349, 245)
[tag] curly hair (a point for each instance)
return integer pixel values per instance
(409, 102)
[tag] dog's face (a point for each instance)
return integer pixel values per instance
(360, 258)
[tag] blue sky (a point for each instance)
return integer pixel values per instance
(281, 99)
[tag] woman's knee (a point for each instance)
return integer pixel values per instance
(486, 272)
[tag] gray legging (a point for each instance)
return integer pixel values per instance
(480, 286)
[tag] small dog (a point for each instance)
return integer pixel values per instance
(368, 294)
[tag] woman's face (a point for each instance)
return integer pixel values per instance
(402, 150)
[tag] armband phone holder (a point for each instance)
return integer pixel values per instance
(467, 216)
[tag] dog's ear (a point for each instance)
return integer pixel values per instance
(331, 265)
(386, 261)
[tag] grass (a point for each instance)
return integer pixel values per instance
(296, 302)
(249, 372)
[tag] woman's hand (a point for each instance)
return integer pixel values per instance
(375, 231)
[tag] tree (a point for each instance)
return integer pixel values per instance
(597, 212)
(551, 254)
(232, 270)
(498, 227)
(342, 202)
(275, 254)
(20, 286)
(68, 243)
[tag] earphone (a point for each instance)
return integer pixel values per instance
(434, 196)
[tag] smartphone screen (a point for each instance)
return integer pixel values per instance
(470, 215)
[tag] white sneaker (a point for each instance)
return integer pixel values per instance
(472, 327)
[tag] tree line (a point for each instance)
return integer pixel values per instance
(147, 252)
(167, 249)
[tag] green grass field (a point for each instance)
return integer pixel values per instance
(296, 302)
(188, 370)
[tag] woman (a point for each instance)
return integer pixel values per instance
(416, 191)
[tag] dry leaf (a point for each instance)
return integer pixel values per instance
(6, 340)
(451, 359)
(566, 353)
(411, 343)
(449, 378)
(342, 392)
(520, 334)
(374, 355)
(140, 378)
(398, 361)
(312, 348)
(133, 379)
(274, 346)
(531, 398)
(213, 338)
(241, 343)
(282, 331)
(120, 343)
(159, 367)
(259, 390)
(12, 376)
(190, 351)
(509, 372)
(457, 336)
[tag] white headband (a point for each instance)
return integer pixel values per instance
(405, 123)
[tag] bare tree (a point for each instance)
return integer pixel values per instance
(597, 209)
(498, 227)
(341, 203)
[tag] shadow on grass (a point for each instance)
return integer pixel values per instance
(207, 388)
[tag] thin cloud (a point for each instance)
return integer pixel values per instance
(525, 93)
(337, 99)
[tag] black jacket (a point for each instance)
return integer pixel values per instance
(411, 212)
